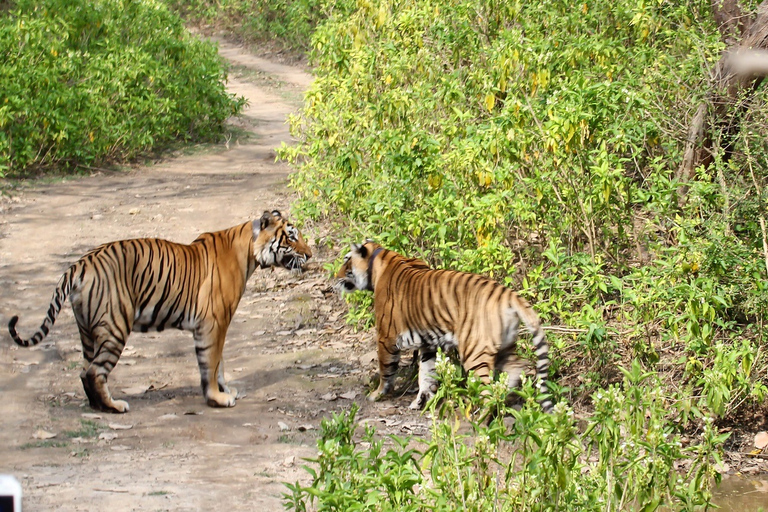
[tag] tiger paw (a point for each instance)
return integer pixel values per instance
(421, 400)
(374, 397)
(119, 406)
(221, 400)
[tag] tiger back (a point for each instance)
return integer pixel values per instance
(153, 284)
(416, 307)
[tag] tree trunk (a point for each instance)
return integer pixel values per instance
(735, 79)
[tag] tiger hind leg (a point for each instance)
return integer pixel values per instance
(427, 380)
(101, 350)
(209, 348)
(514, 368)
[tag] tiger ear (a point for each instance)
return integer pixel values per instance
(266, 220)
(362, 251)
(276, 213)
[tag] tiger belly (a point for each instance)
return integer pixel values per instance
(427, 342)
(414, 340)
(152, 319)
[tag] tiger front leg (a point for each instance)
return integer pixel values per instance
(427, 380)
(389, 360)
(209, 345)
(222, 383)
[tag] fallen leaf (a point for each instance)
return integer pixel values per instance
(118, 426)
(304, 428)
(349, 395)
(107, 436)
(42, 434)
(761, 440)
(170, 416)
(193, 413)
(289, 461)
(120, 448)
(91, 416)
(283, 426)
(329, 397)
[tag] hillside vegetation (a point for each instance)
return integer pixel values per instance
(537, 143)
(88, 82)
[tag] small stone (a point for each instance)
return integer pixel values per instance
(119, 426)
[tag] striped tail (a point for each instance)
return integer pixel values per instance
(541, 349)
(59, 295)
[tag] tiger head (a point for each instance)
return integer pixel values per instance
(355, 272)
(278, 243)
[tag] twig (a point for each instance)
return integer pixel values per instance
(577, 330)
(763, 456)
(112, 490)
(571, 330)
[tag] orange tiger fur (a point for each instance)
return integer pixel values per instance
(420, 308)
(153, 284)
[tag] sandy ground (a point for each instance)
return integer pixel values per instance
(287, 349)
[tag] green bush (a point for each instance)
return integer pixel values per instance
(84, 82)
(288, 24)
(623, 457)
(537, 143)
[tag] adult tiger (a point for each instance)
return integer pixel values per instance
(149, 283)
(420, 308)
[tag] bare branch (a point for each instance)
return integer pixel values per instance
(731, 22)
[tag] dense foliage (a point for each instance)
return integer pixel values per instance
(83, 82)
(537, 143)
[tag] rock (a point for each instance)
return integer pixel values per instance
(43, 434)
(119, 426)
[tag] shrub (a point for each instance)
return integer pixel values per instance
(467, 134)
(84, 82)
(289, 24)
(623, 459)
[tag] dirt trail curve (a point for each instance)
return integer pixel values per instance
(286, 348)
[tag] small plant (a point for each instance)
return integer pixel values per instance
(48, 443)
(87, 429)
(360, 312)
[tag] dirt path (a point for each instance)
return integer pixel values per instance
(286, 348)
